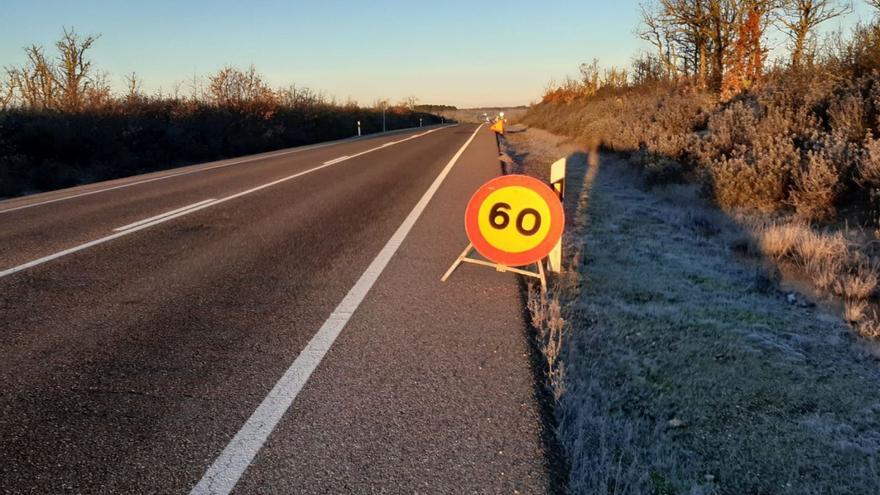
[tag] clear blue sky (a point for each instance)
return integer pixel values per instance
(464, 53)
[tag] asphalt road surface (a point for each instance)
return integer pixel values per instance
(270, 324)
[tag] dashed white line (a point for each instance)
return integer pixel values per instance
(336, 160)
(226, 470)
(54, 256)
(162, 215)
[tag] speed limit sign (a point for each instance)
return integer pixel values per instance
(514, 220)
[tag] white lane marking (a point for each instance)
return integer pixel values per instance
(187, 172)
(143, 226)
(226, 470)
(162, 215)
(337, 160)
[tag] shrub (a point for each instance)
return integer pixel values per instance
(847, 115)
(869, 163)
(759, 176)
(818, 184)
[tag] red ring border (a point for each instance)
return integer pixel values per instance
(471, 221)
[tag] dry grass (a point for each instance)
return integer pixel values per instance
(832, 266)
(824, 257)
(819, 247)
(780, 240)
(824, 272)
(860, 283)
(869, 325)
(854, 310)
(550, 330)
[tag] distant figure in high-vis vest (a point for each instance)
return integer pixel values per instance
(498, 127)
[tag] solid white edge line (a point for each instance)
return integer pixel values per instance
(201, 169)
(162, 215)
(222, 476)
(54, 256)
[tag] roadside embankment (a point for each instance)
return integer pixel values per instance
(680, 365)
(796, 162)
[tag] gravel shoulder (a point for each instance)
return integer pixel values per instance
(687, 370)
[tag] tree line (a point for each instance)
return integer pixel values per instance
(719, 44)
(61, 124)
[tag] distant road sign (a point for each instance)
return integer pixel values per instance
(514, 220)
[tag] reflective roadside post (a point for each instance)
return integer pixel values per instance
(359, 127)
(557, 183)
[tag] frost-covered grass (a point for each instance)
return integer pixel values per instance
(687, 371)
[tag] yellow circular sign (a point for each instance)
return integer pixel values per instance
(514, 220)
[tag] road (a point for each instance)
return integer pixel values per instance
(268, 324)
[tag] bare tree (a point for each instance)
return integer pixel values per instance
(705, 39)
(300, 97)
(7, 90)
(589, 77)
(689, 35)
(195, 88)
(44, 84)
(133, 86)
(646, 69)
(801, 17)
(655, 30)
(35, 80)
(615, 78)
(97, 93)
(73, 74)
(410, 102)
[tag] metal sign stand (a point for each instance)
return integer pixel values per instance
(463, 258)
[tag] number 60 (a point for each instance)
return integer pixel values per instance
(499, 219)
